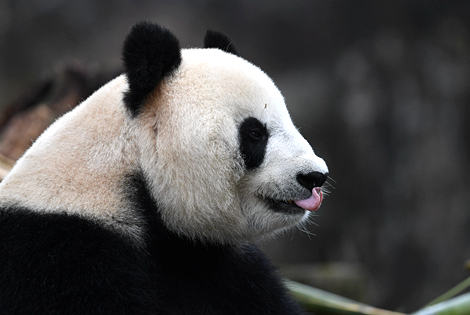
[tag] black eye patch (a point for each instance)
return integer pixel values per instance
(253, 137)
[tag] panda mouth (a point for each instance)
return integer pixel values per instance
(312, 203)
(284, 206)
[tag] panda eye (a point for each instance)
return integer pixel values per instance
(253, 131)
(256, 134)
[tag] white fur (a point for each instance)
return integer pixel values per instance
(185, 141)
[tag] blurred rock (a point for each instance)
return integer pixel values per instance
(22, 121)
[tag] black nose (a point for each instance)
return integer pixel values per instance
(312, 179)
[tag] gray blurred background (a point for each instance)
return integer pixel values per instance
(379, 88)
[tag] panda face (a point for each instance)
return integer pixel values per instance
(224, 156)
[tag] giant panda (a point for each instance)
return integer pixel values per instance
(147, 197)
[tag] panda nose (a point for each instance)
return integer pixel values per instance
(312, 179)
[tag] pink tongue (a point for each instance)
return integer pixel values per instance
(312, 203)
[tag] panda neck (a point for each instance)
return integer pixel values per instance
(160, 238)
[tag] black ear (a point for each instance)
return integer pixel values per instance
(215, 39)
(150, 53)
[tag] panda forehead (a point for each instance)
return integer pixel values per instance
(216, 59)
(234, 83)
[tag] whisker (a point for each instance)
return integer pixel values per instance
(304, 229)
(330, 178)
(304, 225)
(328, 185)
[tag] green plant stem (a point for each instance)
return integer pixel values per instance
(459, 288)
(323, 302)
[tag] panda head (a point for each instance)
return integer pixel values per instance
(215, 142)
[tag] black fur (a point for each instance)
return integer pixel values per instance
(150, 53)
(253, 137)
(63, 264)
(215, 39)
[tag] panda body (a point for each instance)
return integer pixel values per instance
(55, 263)
(146, 197)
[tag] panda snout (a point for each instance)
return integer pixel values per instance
(312, 179)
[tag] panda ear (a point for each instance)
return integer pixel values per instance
(150, 53)
(215, 39)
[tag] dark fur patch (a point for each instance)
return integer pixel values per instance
(63, 264)
(253, 137)
(150, 53)
(215, 39)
